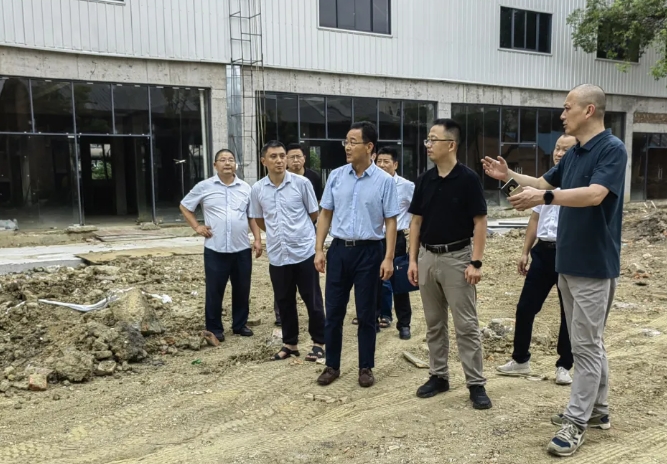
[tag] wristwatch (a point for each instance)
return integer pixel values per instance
(548, 197)
(476, 264)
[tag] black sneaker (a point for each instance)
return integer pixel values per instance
(434, 386)
(479, 398)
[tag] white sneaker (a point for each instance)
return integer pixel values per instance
(563, 376)
(514, 368)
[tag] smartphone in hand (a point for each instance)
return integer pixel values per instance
(512, 187)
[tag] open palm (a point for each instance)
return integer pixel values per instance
(495, 168)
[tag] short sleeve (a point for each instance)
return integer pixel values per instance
(609, 170)
(255, 206)
(416, 203)
(389, 199)
(327, 201)
(476, 201)
(194, 197)
(555, 175)
(309, 198)
(538, 209)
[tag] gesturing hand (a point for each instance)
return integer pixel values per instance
(527, 199)
(495, 168)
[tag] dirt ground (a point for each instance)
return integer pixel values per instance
(177, 403)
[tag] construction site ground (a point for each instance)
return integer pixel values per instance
(187, 402)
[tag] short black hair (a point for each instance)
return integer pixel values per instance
(369, 133)
(224, 150)
(271, 144)
(294, 146)
(450, 126)
(389, 151)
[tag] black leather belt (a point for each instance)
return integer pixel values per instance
(400, 233)
(547, 243)
(447, 248)
(354, 243)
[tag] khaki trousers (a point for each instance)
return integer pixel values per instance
(442, 285)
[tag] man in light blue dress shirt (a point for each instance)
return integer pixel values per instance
(358, 201)
(285, 206)
(225, 202)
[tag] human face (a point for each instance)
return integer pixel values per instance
(295, 160)
(275, 160)
(356, 151)
(575, 114)
(387, 164)
(563, 144)
(439, 143)
(225, 164)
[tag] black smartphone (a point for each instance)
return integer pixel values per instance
(512, 187)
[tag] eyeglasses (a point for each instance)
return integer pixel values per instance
(295, 157)
(428, 142)
(226, 161)
(349, 142)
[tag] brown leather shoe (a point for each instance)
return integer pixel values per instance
(328, 375)
(366, 378)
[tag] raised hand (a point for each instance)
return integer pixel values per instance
(495, 168)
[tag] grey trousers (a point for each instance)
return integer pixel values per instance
(442, 284)
(586, 303)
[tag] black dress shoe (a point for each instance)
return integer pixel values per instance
(479, 398)
(278, 323)
(404, 333)
(220, 337)
(244, 332)
(434, 386)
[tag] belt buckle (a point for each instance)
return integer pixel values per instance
(349, 243)
(446, 248)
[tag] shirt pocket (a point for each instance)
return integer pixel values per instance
(240, 202)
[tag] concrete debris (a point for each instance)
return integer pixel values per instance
(501, 327)
(253, 322)
(149, 226)
(37, 382)
(4, 386)
(105, 368)
(78, 229)
(415, 360)
(128, 343)
(9, 224)
(74, 365)
(133, 309)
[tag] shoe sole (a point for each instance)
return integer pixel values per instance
(482, 406)
(404, 338)
(324, 384)
(513, 374)
(431, 394)
(563, 383)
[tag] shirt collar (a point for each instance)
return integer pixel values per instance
(594, 141)
(216, 178)
(288, 178)
(454, 173)
(368, 172)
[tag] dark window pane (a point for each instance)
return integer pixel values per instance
(419, 158)
(520, 159)
(268, 119)
(15, 105)
(130, 104)
(531, 30)
(475, 135)
(510, 125)
(381, 17)
(459, 115)
(365, 109)
(362, 15)
(412, 139)
(544, 39)
(93, 108)
(557, 122)
(505, 27)
(528, 121)
(339, 115)
(491, 144)
(52, 105)
(288, 130)
(390, 120)
(324, 156)
(345, 13)
(312, 117)
(615, 122)
(328, 13)
(638, 176)
(519, 29)
(546, 140)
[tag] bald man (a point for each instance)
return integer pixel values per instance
(591, 177)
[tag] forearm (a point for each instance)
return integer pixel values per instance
(529, 181)
(189, 217)
(323, 224)
(479, 239)
(390, 237)
(415, 225)
(255, 226)
(581, 197)
(531, 234)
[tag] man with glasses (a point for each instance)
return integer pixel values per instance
(359, 199)
(448, 208)
(387, 160)
(296, 165)
(225, 202)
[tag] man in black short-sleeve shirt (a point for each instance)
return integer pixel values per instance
(448, 208)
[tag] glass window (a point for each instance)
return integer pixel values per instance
(268, 119)
(546, 140)
(612, 51)
(413, 139)
(365, 109)
(345, 10)
(311, 111)
(525, 30)
(52, 106)
(519, 29)
(544, 33)
(459, 115)
(288, 127)
(381, 23)
(362, 15)
(130, 104)
(510, 125)
(328, 13)
(491, 145)
(15, 105)
(390, 120)
(520, 159)
(528, 122)
(475, 135)
(638, 175)
(339, 116)
(93, 108)
(506, 27)
(615, 122)
(531, 30)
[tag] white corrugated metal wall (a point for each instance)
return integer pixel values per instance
(190, 30)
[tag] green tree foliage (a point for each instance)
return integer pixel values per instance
(624, 29)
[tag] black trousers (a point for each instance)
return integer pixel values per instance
(541, 278)
(402, 301)
(357, 266)
(219, 268)
(304, 277)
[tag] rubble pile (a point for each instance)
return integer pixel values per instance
(651, 226)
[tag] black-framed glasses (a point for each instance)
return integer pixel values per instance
(349, 142)
(428, 142)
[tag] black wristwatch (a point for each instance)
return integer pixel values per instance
(476, 264)
(548, 197)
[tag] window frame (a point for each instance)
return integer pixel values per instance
(538, 20)
(336, 28)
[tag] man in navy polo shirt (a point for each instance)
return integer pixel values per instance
(591, 176)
